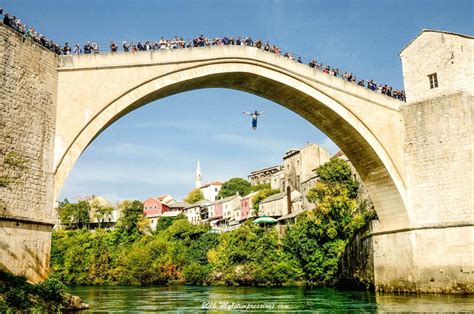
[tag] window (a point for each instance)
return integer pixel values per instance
(433, 80)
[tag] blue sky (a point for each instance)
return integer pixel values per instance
(153, 150)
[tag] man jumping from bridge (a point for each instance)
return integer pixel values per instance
(254, 115)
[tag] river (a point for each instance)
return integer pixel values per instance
(192, 299)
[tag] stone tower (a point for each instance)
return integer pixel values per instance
(198, 176)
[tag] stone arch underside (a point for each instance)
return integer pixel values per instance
(366, 153)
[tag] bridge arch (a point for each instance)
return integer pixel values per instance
(330, 104)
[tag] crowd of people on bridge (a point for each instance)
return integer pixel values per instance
(200, 41)
(29, 32)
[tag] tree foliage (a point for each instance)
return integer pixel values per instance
(180, 252)
(234, 186)
(338, 171)
(319, 238)
(260, 187)
(20, 296)
(194, 196)
(74, 215)
(132, 219)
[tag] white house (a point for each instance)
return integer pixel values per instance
(193, 211)
(210, 190)
(98, 203)
(230, 205)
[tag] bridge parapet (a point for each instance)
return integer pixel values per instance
(215, 54)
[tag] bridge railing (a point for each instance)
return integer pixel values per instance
(325, 68)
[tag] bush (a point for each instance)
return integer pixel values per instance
(198, 250)
(196, 274)
(51, 290)
(17, 298)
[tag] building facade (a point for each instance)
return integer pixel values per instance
(193, 211)
(102, 212)
(246, 206)
(230, 205)
(277, 205)
(278, 180)
(449, 68)
(299, 164)
(210, 190)
(152, 206)
(263, 176)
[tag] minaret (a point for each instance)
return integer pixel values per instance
(198, 176)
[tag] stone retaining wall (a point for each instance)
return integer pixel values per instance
(28, 91)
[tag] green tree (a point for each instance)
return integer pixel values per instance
(258, 198)
(252, 255)
(198, 249)
(234, 186)
(318, 239)
(260, 187)
(196, 274)
(132, 220)
(63, 203)
(164, 223)
(194, 196)
(74, 215)
(338, 171)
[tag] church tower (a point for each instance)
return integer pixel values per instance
(198, 176)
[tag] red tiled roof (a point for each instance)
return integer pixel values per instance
(151, 198)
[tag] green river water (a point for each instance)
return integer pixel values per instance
(217, 299)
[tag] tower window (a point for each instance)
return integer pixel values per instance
(433, 80)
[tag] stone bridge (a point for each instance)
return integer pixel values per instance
(424, 240)
(96, 90)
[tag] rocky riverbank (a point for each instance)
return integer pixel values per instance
(18, 295)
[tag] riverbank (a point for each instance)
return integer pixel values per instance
(16, 294)
(182, 253)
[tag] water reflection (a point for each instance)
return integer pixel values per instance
(192, 299)
(425, 303)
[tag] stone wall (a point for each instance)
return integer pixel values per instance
(439, 137)
(436, 252)
(357, 267)
(429, 260)
(27, 125)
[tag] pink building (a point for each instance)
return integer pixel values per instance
(218, 209)
(246, 210)
(156, 206)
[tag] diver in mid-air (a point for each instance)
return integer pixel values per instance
(254, 115)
